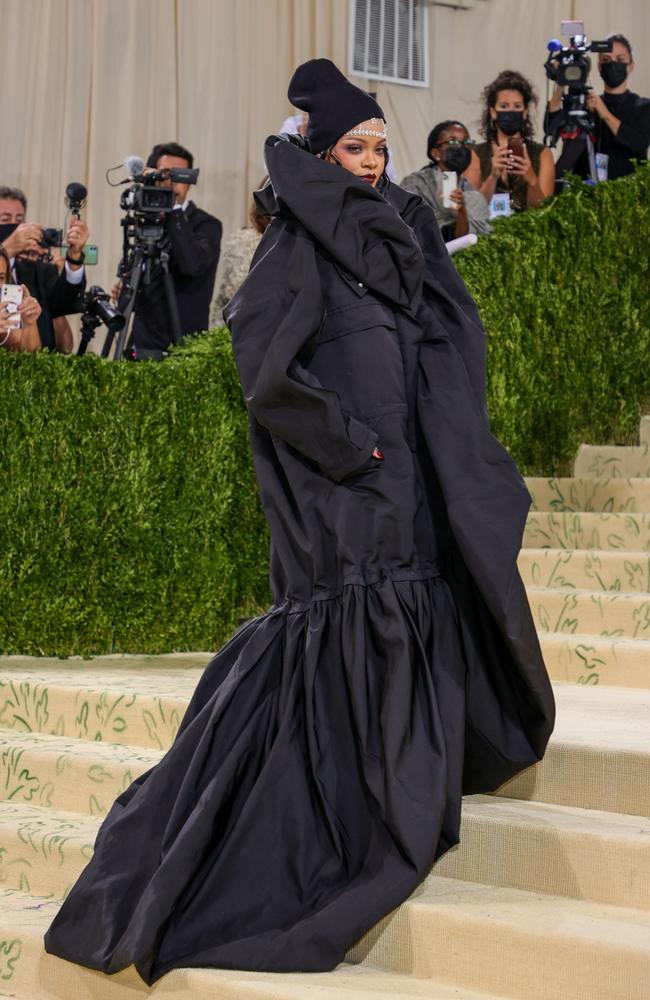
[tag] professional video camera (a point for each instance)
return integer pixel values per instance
(95, 306)
(147, 206)
(569, 66)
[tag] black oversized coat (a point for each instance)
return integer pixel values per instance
(319, 769)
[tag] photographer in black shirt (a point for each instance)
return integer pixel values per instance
(623, 118)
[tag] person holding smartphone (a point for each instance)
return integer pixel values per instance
(463, 209)
(509, 161)
(24, 337)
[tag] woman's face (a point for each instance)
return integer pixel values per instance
(455, 135)
(3, 271)
(363, 155)
(508, 100)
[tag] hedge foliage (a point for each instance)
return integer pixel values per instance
(564, 293)
(130, 517)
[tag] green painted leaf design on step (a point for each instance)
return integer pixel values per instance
(19, 782)
(10, 952)
(23, 706)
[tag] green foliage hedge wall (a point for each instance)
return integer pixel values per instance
(564, 294)
(130, 517)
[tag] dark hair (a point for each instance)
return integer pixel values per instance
(169, 149)
(622, 40)
(509, 79)
(5, 257)
(438, 130)
(13, 194)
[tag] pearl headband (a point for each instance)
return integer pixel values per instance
(377, 133)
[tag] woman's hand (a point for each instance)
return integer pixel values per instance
(458, 199)
(522, 166)
(501, 159)
(30, 310)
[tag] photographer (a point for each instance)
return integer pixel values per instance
(450, 148)
(527, 176)
(56, 292)
(623, 118)
(192, 238)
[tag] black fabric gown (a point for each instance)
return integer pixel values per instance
(319, 768)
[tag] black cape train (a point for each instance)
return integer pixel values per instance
(319, 769)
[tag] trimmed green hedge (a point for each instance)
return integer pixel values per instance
(130, 517)
(564, 293)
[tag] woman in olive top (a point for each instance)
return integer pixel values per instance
(526, 178)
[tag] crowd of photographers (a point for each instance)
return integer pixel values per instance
(172, 247)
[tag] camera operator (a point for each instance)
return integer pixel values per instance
(623, 118)
(55, 291)
(193, 239)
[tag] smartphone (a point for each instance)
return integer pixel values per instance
(91, 252)
(572, 28)
(11, 299)
(516, 145)
(449, 184)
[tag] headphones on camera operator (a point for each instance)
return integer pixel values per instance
(144, 241)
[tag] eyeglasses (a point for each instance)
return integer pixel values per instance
(455, 144)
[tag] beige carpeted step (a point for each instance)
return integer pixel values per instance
(593, 659)
(559, 850)
(599, 755)
(42, 850)
(27, 973)
(68, 774)
(600, 495)
(590, 612)
(586, 570)
(571, 530)
(612, 462)
(137, 701)
(523, 944)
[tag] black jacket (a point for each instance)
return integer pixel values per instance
(633, 137)
(193, 239)
(56, 295)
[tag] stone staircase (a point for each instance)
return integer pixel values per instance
(548, 895)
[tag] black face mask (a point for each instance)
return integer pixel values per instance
(613, 73)
(510, 122)
(457, 158)
(6, 229)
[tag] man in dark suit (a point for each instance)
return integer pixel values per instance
(193, 240)
(55, 291)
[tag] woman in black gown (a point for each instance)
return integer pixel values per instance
(319, 768)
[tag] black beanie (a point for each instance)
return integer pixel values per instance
(334, 105)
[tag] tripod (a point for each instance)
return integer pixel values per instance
(576, 127)
(88, 326)
(137, 262)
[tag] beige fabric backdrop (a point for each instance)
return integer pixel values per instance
(86, 82)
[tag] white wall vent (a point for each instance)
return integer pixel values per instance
(389, 41)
